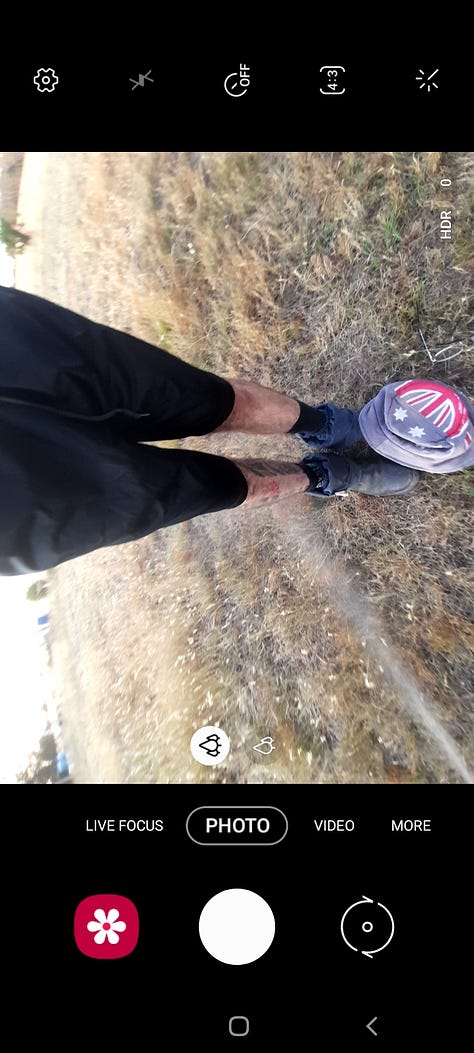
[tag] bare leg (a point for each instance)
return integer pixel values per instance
(260, 411)
(263, 411)
(271, 480)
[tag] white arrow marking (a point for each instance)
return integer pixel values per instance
(365, 899)
(376, 950)
(369, 1026)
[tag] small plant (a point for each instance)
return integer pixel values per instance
(391, 232)
(466, 483)
(37, 589)
(13, 239)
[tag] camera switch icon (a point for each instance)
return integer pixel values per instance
(367, 927)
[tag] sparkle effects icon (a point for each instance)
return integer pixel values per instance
(210, 745)
(46, 80)
(425, 81)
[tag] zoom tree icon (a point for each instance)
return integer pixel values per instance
(210, 745)
(367, 927)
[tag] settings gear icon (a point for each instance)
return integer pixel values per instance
(45, 80)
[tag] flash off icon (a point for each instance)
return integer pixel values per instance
(332, 80)
(142, 77)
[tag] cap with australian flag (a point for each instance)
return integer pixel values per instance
(422, 424)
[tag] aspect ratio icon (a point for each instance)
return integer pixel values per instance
(237, 84)
(332, 80)
(367, 927)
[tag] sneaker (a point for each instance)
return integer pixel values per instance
(341, 429)
(337, 475)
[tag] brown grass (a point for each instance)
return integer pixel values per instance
(309, 273)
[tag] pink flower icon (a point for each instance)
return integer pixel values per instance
(106, 926)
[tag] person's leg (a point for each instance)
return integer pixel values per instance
(55, 358)
(89, 371)
(258, 410)
(74, 487)
(271, 480)
(324, 475)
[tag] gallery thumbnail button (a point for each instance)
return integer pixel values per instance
(237, 825)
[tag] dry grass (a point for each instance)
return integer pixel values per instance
(309, 273)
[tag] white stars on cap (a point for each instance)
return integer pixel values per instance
(416, 432)
(400, 413)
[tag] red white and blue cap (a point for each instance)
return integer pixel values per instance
(422, 424)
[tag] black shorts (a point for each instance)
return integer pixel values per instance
(78, 400)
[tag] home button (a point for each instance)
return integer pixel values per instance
(239, 1026)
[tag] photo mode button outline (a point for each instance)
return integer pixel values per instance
(261, 824)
